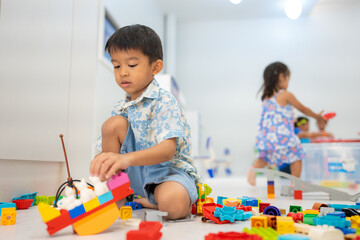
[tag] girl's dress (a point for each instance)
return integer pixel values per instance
(276, 141)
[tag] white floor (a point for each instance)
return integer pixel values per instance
(29, 224)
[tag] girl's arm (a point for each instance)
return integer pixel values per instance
(291, 99)
(106, 164)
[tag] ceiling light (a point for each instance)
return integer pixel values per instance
(235, 1)
(293, 9)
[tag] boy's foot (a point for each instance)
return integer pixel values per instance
(251, 177)
(144, 202)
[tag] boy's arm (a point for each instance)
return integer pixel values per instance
(106, 164)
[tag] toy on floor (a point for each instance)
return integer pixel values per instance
(8, 216)
(203, 191)
(300, 185)
(91, 213)
(27, 196)
(147, 231)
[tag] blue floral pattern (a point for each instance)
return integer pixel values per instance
(154, 117)
(276, 141)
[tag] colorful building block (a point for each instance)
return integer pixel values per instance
(220, 200)
(285, 225)
(77, 211)
(272, 210)
(8, 216)
(232, 235)
(318, 205)
(270, 189)
(310, 211)
(325, 210)
(105, 197)
(231, 214)
(232, 202)
(271, 221)
(332, 220)
(259, 221)
(282, 211)
(293, 237)
(355, 221)
(44, 199)
(48, 213)
(298, 195)
(309, 218)
(90, 205)
(262, 206)
(325, 232)
(7, 205)
(295, 209)
(27, 196)
(117, 180)
(147, 231)
(265, 233)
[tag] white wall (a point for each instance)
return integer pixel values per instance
(85, 107)
(220, 66)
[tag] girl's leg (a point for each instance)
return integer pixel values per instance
(251, 177)
(295, 168)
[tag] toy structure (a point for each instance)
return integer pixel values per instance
(306, 187)
(91, 213)
(203, 191)
(147, 231)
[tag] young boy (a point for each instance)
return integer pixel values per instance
(147, 135)
(301, 128)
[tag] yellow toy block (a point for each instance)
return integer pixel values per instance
(199, 207)
(285, 225)
(259, 221)
(310, 211)
(355, 221)
(8, 216)
(48, 213)
(90, 205)
(125, 212)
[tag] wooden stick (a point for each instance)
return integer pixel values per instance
(66, 160)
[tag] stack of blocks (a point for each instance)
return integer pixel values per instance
(270, 190)
(88, 214)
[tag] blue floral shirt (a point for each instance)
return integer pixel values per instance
(154, 117)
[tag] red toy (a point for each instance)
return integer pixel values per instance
(147, 231)
(23, 203)
(329, 116)
(208, 213)
(232, 236)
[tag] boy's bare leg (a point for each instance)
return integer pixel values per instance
(251, 176)
(173, 198)
(295, 168)
(113, 133)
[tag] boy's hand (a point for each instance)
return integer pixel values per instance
(321, 121)
(106, 164)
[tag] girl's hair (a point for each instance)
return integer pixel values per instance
(271, 78)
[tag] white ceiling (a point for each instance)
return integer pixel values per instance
(207, 10)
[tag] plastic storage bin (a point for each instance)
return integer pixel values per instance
(331, 161)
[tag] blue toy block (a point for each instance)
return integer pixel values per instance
(211, 172)
(272, 210)
(293, 237)
(337, 213)
(133, 205)
(6, 205)
(348, 230)
(77, 211)
(105, 197)
(332, 220)
(270, 183)
(27, 196)
(228, 171)
(338, 207)
(231, 214)
(358, 203)
(220, 200)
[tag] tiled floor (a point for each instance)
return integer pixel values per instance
(30, 226)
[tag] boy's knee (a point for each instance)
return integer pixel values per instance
(114, 125)
(176, 203)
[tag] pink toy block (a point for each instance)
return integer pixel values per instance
(117, 180)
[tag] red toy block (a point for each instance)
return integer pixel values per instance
(262, 206)
(59, 223)
(298, 194)
(244, 208)
(330, 115)
(121, 192)
(232, 236)
(194, 209)
(147, 231)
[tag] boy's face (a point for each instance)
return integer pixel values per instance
(133, 72)
(304, 127)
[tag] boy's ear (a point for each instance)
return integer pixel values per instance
(157, 66)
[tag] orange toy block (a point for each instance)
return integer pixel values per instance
(98, 221)
(271, 221)
(259, 221)
(8, 216)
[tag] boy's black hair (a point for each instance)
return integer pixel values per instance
(138, 37)
(300, 119)
(271, 78)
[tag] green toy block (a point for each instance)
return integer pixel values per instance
(295, 209)
(266, 233)
(309, 218)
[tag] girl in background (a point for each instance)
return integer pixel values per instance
(276, 141)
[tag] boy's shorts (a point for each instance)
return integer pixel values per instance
(144, 179)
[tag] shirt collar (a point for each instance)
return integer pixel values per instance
(152, 91)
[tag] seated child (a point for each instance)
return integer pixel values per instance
(301, 128)
(148, 135)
